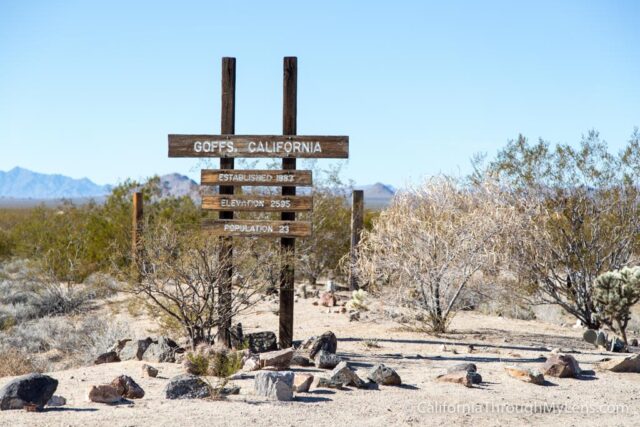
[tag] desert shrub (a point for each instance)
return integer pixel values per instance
(214, 360)
(585, 221)
(77, 340)
(432, 240)
(614, 293)
(198, 363)
(14, 362)
(182, 279)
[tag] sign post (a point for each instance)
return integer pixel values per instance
(289, 146)
(357, 223)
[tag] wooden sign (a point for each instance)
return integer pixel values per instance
(285, 146)
(266, 177)
(258, 203)
(258, 228)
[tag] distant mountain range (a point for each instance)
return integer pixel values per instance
(22, 187)
(20, 183)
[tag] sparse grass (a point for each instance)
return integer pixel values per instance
(14, 362)
(371, 343)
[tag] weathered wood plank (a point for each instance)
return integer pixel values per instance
(278, 146)
(265, 177)
(257, 228)
(255, 203)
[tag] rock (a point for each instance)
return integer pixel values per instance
(459, 377)
(274, 385)
(149, 371)
(300, 360)
(601, 339)
(326, 342)
(342, 373)
(617, 345)
(590, 336)
(561, 366)
(325, 360)
(162, 350)
(466, 367)
(279, 360)
(260, 342)
(626, 364)
(524, 374)
(30, 389)
(228, 391)
(322, 382)
(108, 357)
(314, 303)
(127, 387)
(634, 342)
(302, 382)
(354, 316)
(104, 393)
(119, 345)
(57, 401)
(251, 364)
(381, 374)
(328, 299)
(135, 349)
(187, 386)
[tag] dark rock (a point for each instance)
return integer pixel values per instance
(260, 342)
(34, 389)
(322, 382)
(187, 387)
(325, 360)
(127, 387)
(135, 349)
(342, 373)
(467, 367)
(162, 350)
(561, 366)
(326, 342)
(149, 371)
(105, 393)
(300, 360)
(381, 374)
(108, 357)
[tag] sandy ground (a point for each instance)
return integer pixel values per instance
(600, 399)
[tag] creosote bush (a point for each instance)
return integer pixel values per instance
(432, 240)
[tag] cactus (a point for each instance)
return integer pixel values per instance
(614, 293)
(358, 300)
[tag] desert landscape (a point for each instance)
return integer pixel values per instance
(418, 357)
(319, 213)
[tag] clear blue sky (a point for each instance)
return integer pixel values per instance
(91, 88)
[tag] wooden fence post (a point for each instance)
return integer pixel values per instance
(227, 127)
(137, 248)
(288, 244)
(357, 223)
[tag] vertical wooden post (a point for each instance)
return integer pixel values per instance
(227, 127)
(136, 235)
(357, 224)
(288, 245)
